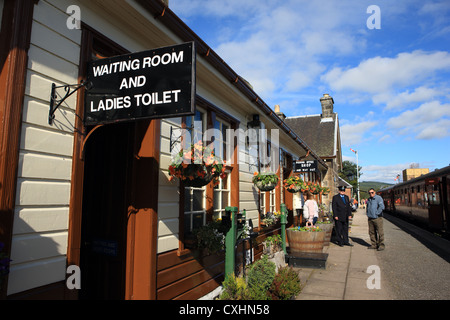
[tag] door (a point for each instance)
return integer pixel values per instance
(435, 208)
(108, 159)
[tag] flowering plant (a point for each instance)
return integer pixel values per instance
(324, 211)
(270, 218)
(308, 229)
(294, 184)
(210, 237)
(265, 181)
(313, 187)
(197, 166)
(325, 190)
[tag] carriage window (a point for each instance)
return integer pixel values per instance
(433, 194)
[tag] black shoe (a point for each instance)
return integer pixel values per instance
(340, 244)
(349, 244)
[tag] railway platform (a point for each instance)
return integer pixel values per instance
(415, 265)
(351, 273)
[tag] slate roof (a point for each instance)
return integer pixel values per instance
(318, 134)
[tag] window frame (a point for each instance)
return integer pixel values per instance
(210, 112)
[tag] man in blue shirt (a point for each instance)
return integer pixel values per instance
(374, 210)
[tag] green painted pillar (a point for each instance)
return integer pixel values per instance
(283, 221)
(230, 240)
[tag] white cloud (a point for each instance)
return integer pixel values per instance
(406, 98)
(383, 173)
(282, 47)
(353, 133)
(429, 121)
(380, 74)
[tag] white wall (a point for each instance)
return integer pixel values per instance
(40, 229)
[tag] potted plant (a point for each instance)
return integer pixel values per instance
(272, 245)
(210, 238)
(325, 190)
(265, 181)
(197, 166)
(314, 187)
(305, 239)
(270, 218)
(327, 226)
(294, 184)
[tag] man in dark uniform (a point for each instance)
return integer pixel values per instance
(341, 211)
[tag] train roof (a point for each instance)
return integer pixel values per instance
(435, 173)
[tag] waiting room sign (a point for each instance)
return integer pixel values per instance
(158, 83)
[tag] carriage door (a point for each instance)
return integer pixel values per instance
(435, 208)
(108, 159)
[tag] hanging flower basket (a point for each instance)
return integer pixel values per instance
(313, 187)
(196, 176)
(293, 184)
(197, 166)
(265, 181)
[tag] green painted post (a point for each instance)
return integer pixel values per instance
(283, 221)
(230, 241)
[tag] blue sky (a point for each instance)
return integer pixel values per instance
(391, 86)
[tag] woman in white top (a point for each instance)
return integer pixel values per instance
(310, 209)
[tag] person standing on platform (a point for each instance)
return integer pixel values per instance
(342, 210)
(311, 209)
(374, 210)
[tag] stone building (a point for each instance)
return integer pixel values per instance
(322, 134)
(412, 173)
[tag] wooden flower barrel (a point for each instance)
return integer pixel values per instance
(328, 229)
(305, 241)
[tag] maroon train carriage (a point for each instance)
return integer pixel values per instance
(425, 199)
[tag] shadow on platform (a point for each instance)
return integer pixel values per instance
(438, 245)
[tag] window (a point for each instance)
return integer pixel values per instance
(221, 197)
(262, 203)
(196, 126)
(272, 207)
(194, 208)
(194, 198)
(220, 141)
(198, 201)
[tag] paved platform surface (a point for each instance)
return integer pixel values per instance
(350, 272)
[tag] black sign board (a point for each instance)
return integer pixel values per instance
(158, 83)
(305, 166)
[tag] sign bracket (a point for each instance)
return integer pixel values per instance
(54, 97)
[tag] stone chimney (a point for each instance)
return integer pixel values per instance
(327, 103)
(279, 113)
